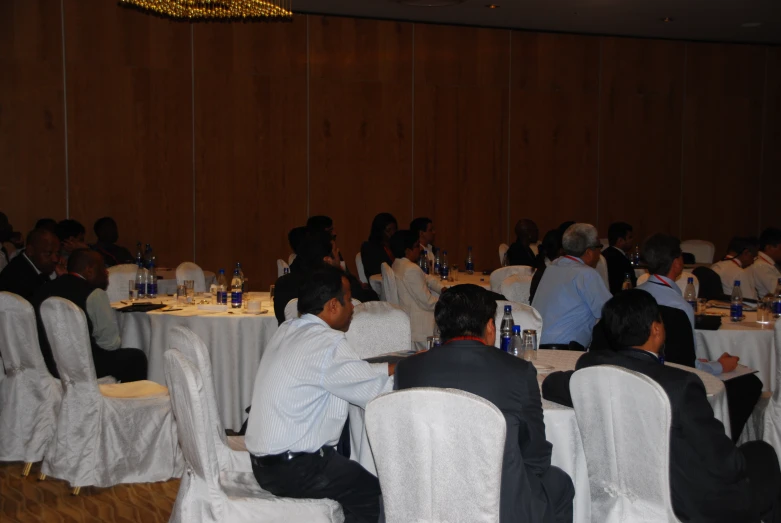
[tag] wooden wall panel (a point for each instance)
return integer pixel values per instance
(250, 143)
(771, 145)
(461, 149)
(641, 111)
(32, 126)
(360, 124)
(554, 134)
(130, 125)
(722, 141)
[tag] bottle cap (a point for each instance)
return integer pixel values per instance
(516, 329)
(508, 308)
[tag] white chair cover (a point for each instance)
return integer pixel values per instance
(281, 266)
(29, 396)
(118, 278)
(377, 328)
(104, 440)
(438, 454)
(624, 419)
(702, 250)
(680, 282)
(503, 248)
(524, 315)
(231, 452)
(359, 268)
(602, 270)
(772, 422)
(499, 275)
(516, 288)
(207, 494)
(291, 258)
(389, 288)
(191, 271)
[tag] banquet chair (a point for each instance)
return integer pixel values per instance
(118, 278)
(524, 315)
(231, 452)
(208, 494)
(503, 248)
(389, 288)
(291, 309)
(624, 419)
(602, 270)
(535, 247)
(359, 268)
(499, 275)
(771, 425)
(680, 282)
(517, 288)
(291, 258)
(281, 266)
(377, 328)
(702, 250)
(105, 434)
(423, 440)
(191, 271)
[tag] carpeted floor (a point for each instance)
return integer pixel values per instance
(27, 499)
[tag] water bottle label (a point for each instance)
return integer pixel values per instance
(693, 305)
(151, 289)
(777, 307)
(736, 311)
(222, 297)
(470, 266)
(235, 299)
(141, 288)
(444, 272)
(505, 343)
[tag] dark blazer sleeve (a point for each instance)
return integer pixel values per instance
(535, 449)
(556, 388)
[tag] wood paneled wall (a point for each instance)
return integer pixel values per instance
(211, 141)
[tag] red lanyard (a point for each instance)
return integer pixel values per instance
(464, 338)
(733, 260)
(573, 258)
(662, 281)
(764, 260)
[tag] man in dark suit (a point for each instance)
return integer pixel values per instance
(710, 478)
(520, 252)
(621, 240)
(532, 489)
(32, 268)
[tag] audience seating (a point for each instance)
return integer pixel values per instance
(209, 494)
(602, 270)
(423, 440)
(191, 271)
(524, 315)
(517, 288)
(681, 282)
(106, 434)
(624, 419)
(118, 278)
(281, 266)
(389, 289)
(702, 250)
(535, 247)
(503, 248)
(291, 258)
(359, 268)
(499, 275)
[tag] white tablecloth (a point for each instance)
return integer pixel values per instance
(751, 342)
(235, 341)
(561, 429)
(476, 278)
(166, 281)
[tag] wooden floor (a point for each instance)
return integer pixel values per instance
(27, 499)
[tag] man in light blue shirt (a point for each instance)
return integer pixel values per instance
(571, 293)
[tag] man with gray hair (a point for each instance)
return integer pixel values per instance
(571, 293)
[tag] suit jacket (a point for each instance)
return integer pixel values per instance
(518, 254)
(19, 277)
(415, 297)
(708, 480)
(618, 266)
(510, 383)
(373, 255)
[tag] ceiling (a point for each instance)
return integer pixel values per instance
(711, 20)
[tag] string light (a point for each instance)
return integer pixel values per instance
(216, 9)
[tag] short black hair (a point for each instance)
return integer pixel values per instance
(564, 226)
(315, 246)
(36, 235)
(419, 225)
(627, 318)
(549, 248)
(296, 236)
(49, 224)
(382, 220)
(660, 251)
(80, 259)
(69, 229)
(319, 288)
(101, 224)
(617, 231)
(739, 244)
(463, 310)
(770, 236)
(403, 240)
(319, 223)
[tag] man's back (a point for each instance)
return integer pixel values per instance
(729, 270)
(20, 277)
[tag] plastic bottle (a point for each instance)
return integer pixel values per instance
(690, 294)
(736, 303)
(222, 288)
(151, 282)
(470, 266)
(236, 289)
(515, 344)
(141, 280)
(777, 300)
(444, 268)
(506, 328)
(627, 282)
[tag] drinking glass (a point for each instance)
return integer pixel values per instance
(132, 291)
(529, 344)
(764, 310)
(190, 287)
(181, 294)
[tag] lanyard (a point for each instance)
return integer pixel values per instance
(661, 282)
(464, 338)
(733, 260)
(764, 260)
(573, 258)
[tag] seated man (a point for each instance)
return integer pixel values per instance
(622, 241)
(571, 292)
(710, 478)
(520, 252)
(532, 489)
(34, 267)
(294, 239)
(426, 235)
(85, 285)
(307, 378)
(414, 286)
(733, 267)
(71, 234)
(325, 224)
(764, 272)
(108, 234)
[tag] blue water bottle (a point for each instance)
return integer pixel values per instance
(470, 265)
(506, 328)
(736, 303)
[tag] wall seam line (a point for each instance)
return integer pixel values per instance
(599, 127)
(65, 111)
(683, 138)
(762, 143)
(412, 132)
(192, 104)
(308, 122)
(509, 129)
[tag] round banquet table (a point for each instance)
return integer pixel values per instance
(477, 278)
(235, 342)
(561, 429)
(166, 280)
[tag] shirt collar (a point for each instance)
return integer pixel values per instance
(672, 285)
(31, 263)
(733, 259)
(767, 258)
(619, 250)
(311, 318)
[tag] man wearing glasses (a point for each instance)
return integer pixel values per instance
(571, 293)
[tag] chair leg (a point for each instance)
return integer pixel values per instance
(26, 469)
(42, 477)
(76, 491)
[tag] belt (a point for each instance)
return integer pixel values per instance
(285, 457)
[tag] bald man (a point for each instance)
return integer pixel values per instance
(25, 274)
(526, 234)
(85, 285)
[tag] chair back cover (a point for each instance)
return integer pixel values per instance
(499, 275)
(191, 271)
(681, 282)
(772, 422)
(624, 419)
(503, 248)
(524, 315)
(423, 441)
(517, 288)
(389, 284)
(602, 270)
(702, 250)
(377, 328)
(535, 247)
(359, 268)
(29, 396)
(281, 266)
(291, 258)
(118, 278)
(291, 309)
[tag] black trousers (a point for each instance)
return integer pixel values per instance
(124, 364)
(329, 476)
(764, 475)
(742, 396)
